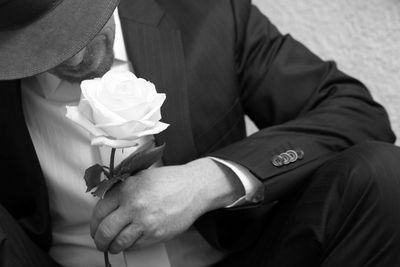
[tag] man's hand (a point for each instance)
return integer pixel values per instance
(157, 204)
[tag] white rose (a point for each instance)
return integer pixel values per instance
(117, 109)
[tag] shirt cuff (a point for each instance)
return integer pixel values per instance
(252, 186)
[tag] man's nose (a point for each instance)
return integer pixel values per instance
(75, 60)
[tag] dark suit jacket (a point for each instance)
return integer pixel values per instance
(216, 60)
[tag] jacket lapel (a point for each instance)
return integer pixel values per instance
(23, 192)
(155, 49)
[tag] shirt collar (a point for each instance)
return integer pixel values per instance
(53, 88)
(119, 45)
(48, 83)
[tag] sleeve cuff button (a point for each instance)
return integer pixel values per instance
(277, 161)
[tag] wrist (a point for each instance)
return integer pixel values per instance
(219, 185)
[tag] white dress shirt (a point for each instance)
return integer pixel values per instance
(64, 152)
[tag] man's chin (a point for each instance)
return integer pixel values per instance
(84, 71)
(77, 77)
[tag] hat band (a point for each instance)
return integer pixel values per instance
(17, 13)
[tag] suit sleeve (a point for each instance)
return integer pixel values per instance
(298, 101)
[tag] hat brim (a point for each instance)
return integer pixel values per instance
(53, 38)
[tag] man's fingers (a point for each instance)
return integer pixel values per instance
(103, 208)
(126, 238)
(109, 228)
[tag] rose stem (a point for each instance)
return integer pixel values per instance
(112, 162)
(107, 262)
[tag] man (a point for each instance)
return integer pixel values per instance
(322, 203)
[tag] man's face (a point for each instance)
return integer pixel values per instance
(92, 61)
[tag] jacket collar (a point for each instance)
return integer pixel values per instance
(147, 12)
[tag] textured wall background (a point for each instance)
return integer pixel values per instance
(362, 36)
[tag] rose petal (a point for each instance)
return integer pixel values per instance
(101, 114)
(127, 130)
(113, 77)
(155, 113)
(145, 111)
(121, 95)
(149, 89)
(85, 109)
(130, 94)
(135, 112)
(76, 116)
(158, 128)
(138, 129)
(104, 141)
(120, 90)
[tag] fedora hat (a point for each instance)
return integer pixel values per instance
(37, 35)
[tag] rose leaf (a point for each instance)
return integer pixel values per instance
(140, 160)
(92, 176)
(106, 185)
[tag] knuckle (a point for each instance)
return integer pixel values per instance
(159, 233)
(140, 200)
(150, 221)
(103, 234)
(119, 244)
(121, 241)
(139, 227)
